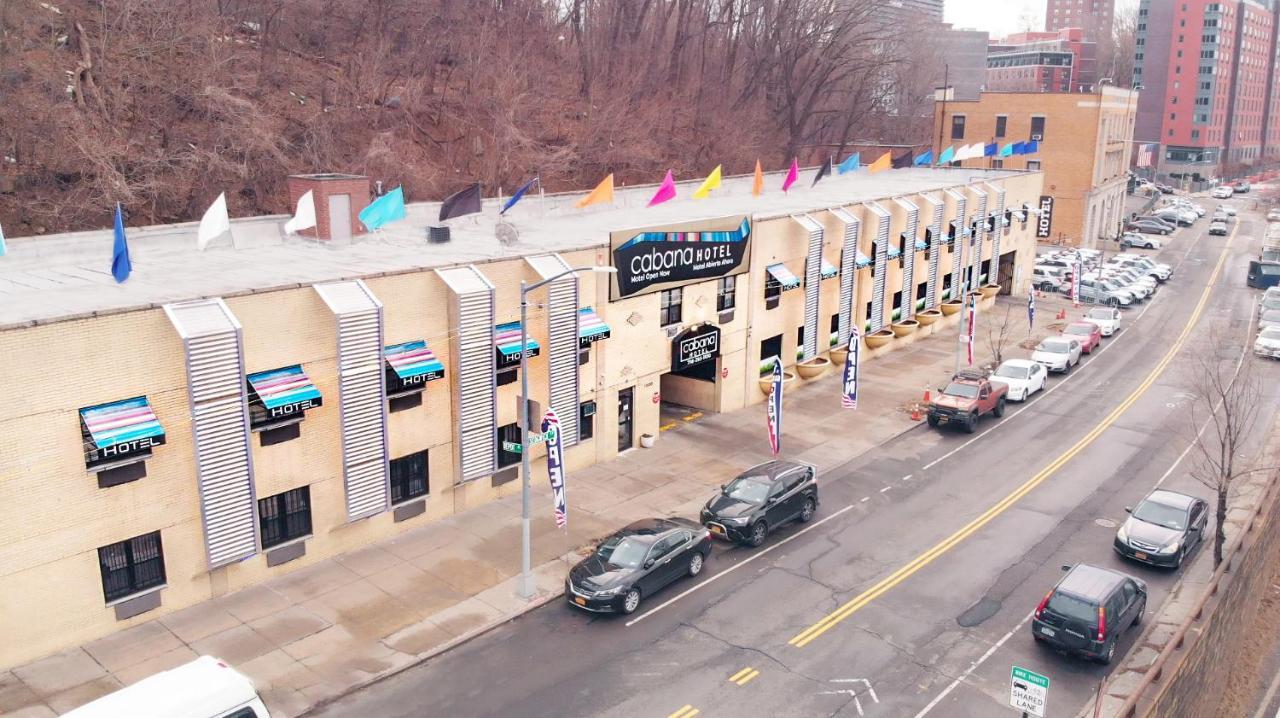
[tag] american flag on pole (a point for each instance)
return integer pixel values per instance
(849, 393)
(1146, 154)
(972, 330)
(1075, 280)
(555, 466)
(1031, 310)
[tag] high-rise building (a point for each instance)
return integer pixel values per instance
(1094, 16)
(964, 61)
(917, 9)
(1061, 61)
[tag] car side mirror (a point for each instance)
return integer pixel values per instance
(1193, 529)
(1066, 567)
(648, 563)
(1128, 509)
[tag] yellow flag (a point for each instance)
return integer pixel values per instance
(602, 193)
(711, 182)
(758, 186)
(884, 163)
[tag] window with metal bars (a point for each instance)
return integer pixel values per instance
(131, 566)
(285, 517)
(508, 433)
(409, 477)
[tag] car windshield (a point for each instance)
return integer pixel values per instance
(752, 489)
(955, 388)
(623, 551)
(1161, 515)
(1072, 607)
(1271, 302)
(1108, 286)
(1079, 330)
(1099, 313)
(1053, 347)
(1270, 333)
(1271, 315)
(1012, 372)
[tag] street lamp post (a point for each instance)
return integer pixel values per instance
(526, 588)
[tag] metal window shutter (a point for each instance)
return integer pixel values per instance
(812, 284)
(219, 427)
(935, 243)
(882, 266)
(473, 354)
(995, 239)
(848, 273)
(958, 247)
(909, 259)
(975, 264)
(562, 341)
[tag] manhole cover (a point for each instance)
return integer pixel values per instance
(1106, 523)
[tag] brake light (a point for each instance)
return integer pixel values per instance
(1043, 602)
(1102, 624)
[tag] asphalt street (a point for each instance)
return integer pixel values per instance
(909, 593)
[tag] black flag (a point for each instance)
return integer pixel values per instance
(822, 171)
(902, 160)
(462, 202)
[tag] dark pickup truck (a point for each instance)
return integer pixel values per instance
(963, 401)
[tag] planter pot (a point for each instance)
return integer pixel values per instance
(951, 307)
(766, 382)
(813, 368)
(989, 290)
(928, 316)
(840, 355)
(905, 327)
(875, 340)
(648, 440)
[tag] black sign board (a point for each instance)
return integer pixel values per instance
(650, 260)
(694, 346)
(1044, 223)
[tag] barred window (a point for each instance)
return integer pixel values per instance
(131, 566)
(409, 477)
(285, 517)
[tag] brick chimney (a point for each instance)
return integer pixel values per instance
(335, 195)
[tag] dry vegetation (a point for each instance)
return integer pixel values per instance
(161, 104)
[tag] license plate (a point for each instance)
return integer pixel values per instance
(716, 529)
(1140, 555)
(1048, 631)
(580, 601)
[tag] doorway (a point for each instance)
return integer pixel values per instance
(340, 216)
(1006, 272)
(626, 421)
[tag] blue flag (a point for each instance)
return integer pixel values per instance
(519, 195)
(120, 264)
(852, 163)
(924, 159)
(1007, 150)
(384, 210)
(947, 155)
(1019, 148)
(1031, 310)
(990, 150)
(1031, 147)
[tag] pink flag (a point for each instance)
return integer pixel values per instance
(666, 191)
(793, 174)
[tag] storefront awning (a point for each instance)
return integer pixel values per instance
(921, 245)
(783, 276)
(280, 389)
(591, 328)
(126, 424)
(413, 362)
(863, 260)
(894, 252)
(829, 270)
(506, 337)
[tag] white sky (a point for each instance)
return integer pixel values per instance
(1002, 17)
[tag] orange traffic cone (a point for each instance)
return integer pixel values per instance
(915, 412)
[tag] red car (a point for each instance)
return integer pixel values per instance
(1087, 333)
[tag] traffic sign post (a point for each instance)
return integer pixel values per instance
(515, 448)
(1028, 692)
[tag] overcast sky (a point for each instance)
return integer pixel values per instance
(1008, 18)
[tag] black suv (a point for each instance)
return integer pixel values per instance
(761, 499)
(1088, 610)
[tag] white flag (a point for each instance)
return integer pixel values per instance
(214, 222)
(973, 151)
(965, 152)
(304, 217)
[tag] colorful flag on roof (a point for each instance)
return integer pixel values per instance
(793, 174)
(901, 160)
(3, 250)
(214, 223)
(384, 210)
(121, 267)
(990, 150)
(923, 159)
(459, 204)
(666, 190)
(519, 195)
(711, 182)
(1007, 150)
(304, 217)
(601, 194)
(757, 185)
(884, 163)
(823, 171)
(947, 155)
(851, 163)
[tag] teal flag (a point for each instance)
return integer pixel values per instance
(3, 250)
(947, 155)
(384, 210)
(850, 164)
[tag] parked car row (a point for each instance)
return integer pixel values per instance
(1122, 280)
(1267, 343)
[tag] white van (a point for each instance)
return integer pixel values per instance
(203, 688)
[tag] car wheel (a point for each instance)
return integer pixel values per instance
(971, 425)
(1066, 368)
(758, 533)
(1142, 608)
(806, 511)
(999, 410)
(933, 420)
(695, 564)
(631, 601)
(1110, 655)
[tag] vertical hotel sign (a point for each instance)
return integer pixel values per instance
(1044, 223)
(658, 258)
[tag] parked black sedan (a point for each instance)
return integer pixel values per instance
(636, 562)
(1163, 528)
(761, 499)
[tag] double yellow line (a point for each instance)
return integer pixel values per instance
(807, 636)
(686, 712)
(744, 676)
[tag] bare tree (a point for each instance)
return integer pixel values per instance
(1116, 49)
(999, 334)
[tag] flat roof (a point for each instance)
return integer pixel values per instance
(68, 276)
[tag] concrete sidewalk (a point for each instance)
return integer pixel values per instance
(325, 630)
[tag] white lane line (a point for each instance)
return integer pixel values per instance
(907, 477)
(864, 499)
(885, 489)
(973, 667)
(735, 567)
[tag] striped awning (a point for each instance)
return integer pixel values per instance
(413, 362)
(591, 328)
(863, 260)
(921, 245)
(894, 252)
(128, 425)
(506, 337)
(783, 276)
(280, 388)
(829, 270)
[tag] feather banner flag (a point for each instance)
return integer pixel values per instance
(793, 174)
(666, 190)
(711, 182)
(121, 266)
(971, 334)
(519, 195)
(214, 222)
(849, 393)
(601, 194)
(757, 184)
(884, 163)
(1031, 310)
(823, 171)
(304, 217)
(851, 163)
(555, 466)
(773, 412)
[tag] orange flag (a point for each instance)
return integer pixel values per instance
(602, 193)
(884, 163)
(757, 187)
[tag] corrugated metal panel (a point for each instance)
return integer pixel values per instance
(361, 396)
(935, 245)
(848, 272)
(958, 247)
(219, 427)
(473, 355)
(881, 266)
(812, 283)
(995, 238)
(562, 340)
(909, 259)
(979, 235)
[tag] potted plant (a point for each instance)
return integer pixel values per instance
(905, 327)
(989, 290)
(951, 307)
(928, 316)
(879, 338)
(648, 440)
(813, 368)
(766, 381)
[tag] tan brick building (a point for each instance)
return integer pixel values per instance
(226, 416)
(1085, 142)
